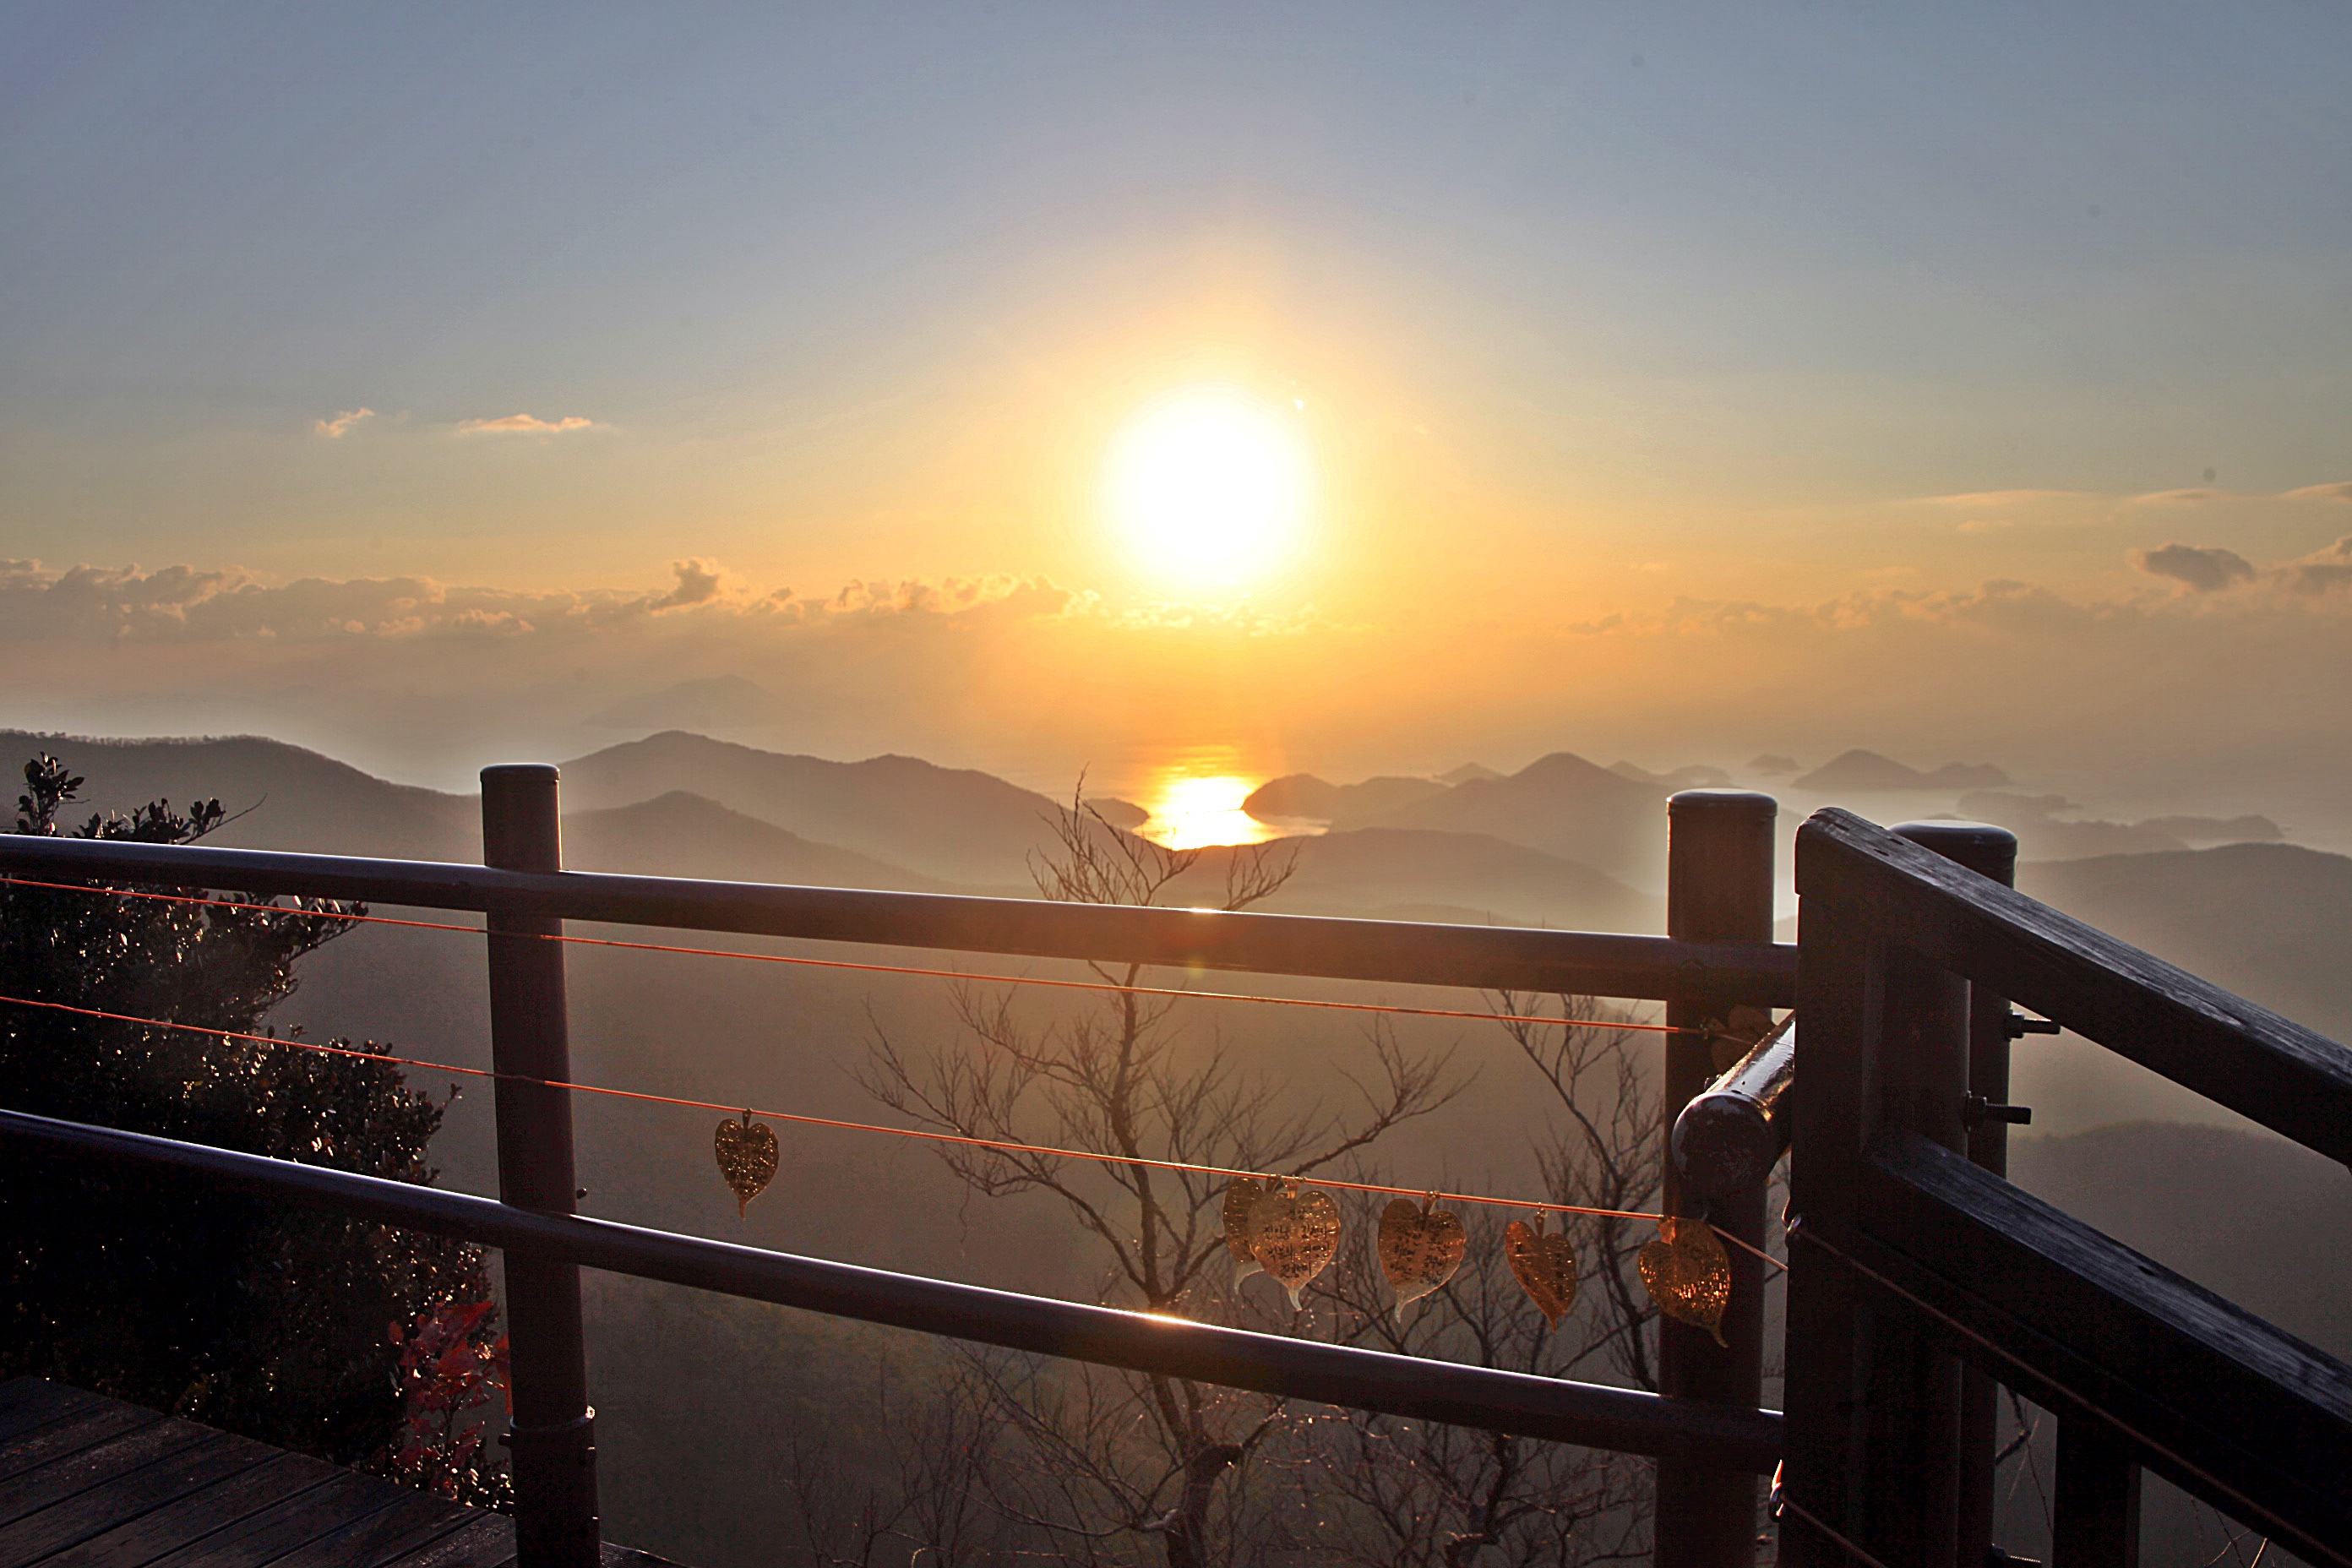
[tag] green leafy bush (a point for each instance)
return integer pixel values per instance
(287, 1324)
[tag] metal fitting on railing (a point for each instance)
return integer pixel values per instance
(1976, 1110)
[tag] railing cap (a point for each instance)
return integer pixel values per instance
(1722, 802)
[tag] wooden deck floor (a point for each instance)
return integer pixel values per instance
(90, 1483)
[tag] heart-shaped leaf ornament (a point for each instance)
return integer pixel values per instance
(1544, 1264)
(1419, 1246)
(746, 1152)
(1294, 1235)
(1688, 1274)
(1239, 1197)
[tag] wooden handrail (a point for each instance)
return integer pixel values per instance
(1622, 1419)
(2210, 1395)
(2267, 1068)
(1499, 958)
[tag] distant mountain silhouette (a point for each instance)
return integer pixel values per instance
(305, 801)
(954, 824)
(1698, 776)
(1768, 766)
(2270, 921)
(1561, 804)
(1415, 874)
(715, 703)
(685, 835)
(1468, 772)
(1117, 812)
(1305, 795)
(1867, 771)
(2040, 835)
(2217, 829)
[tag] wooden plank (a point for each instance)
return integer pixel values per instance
(99, 1508)
(27, 1403)
(416, 1520)
(266, 1536)
(2227, 1407)
(86, 1426)
(486, 1543)
(2275, 1072)
(152, 1437)
(138, 1542)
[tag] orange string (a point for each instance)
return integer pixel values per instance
(999, 1144)
(886, 968)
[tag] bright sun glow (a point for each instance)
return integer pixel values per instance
(1210, 489)
(1189, 812)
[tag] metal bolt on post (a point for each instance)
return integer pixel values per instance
(553, 1435)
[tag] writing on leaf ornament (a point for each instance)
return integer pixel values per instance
(1688, 1274)
(746, 1152)
(1419, 1246)
(1294, 1235)
(1544, 1263)
(1239, 1197)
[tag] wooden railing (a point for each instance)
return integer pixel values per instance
(1908, 1260)
(1713, 1445)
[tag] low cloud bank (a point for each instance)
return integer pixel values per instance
(2213, 656)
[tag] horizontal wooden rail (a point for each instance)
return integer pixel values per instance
(2227, 1407)
(1488, 957)
(1625, 1420)
(2269, 1070)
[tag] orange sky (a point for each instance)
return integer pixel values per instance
(1675, 385)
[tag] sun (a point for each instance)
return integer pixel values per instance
(1210, 489)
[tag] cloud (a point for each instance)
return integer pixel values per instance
(2008, 497)
(514, 424)
(125, 605)
(2323, 570)
(698, 583)
(2201, 569)
(2177, 498)
(2340, 490)
(333, 429)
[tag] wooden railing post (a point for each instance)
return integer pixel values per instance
(552, 1430)
(1990, 852)
(2094, 1517)
(1719, 888)
(1874, 1407)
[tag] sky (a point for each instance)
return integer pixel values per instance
(440, 384)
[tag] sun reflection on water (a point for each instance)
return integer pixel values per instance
(1189, 812)
(1195, 800)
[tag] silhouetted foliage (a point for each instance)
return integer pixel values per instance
(284, 1324)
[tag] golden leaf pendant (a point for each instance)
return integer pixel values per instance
(1244, 1192)
(1294, 1235)
(1688, 1274)
(1544, 1263)
(1419, 1247)
(746, 1152)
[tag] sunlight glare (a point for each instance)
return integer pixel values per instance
(1210, 489)
(1188, 813)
